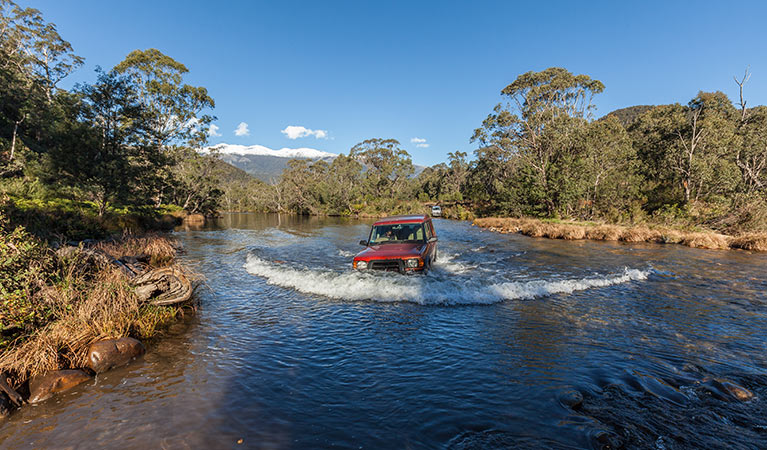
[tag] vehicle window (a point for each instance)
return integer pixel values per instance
(429, 233)
(397, 233)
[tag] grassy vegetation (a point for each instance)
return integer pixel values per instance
(63, 219)
(52, 308)
(557, 229)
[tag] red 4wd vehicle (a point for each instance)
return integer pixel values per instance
(405, 244)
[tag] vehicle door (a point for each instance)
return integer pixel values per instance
(431, 244)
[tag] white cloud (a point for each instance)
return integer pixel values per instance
(419, 142)
(295, 132)
(213, 130)
(242, 130)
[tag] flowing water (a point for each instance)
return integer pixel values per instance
(494, 348)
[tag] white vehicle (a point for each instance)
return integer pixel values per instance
(436, 211)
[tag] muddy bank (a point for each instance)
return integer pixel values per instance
(603, 232)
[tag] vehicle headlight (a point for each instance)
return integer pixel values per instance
(362, 265)
(411, 263)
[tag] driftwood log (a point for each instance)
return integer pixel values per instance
(14, 396)
(163, 286)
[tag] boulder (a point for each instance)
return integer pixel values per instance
(43, 387)
(105, 355)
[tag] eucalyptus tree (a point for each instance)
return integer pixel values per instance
(387, 166)
(104, 157)
(33, 60)
(539, 128)
(177, 119)
(176, 111)
(687, 151)
(610, 168)
(343, 185)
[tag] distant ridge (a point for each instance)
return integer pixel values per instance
(262, 162)
(267, 164)
(260, 150)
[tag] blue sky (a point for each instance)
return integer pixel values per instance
(406, 70)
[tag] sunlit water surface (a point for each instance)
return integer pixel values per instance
(291, 349)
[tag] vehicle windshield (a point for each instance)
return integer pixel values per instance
(399, 233)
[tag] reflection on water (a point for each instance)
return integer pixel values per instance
(292, 350)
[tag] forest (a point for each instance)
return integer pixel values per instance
(129, 141)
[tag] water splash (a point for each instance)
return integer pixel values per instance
(385, 287)
(345, 254)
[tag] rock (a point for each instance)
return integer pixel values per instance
(571, 398)
(105, 355)
(43, 387)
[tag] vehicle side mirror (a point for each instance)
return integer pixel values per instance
(364, 242)
(433, 239)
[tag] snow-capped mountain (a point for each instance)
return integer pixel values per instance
(260, 150)
(263, 162)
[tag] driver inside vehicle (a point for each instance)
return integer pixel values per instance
(397, 233)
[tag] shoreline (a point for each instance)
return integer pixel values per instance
(87, 308)
(756, 242)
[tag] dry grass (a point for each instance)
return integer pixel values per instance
(160, 249)
(105, 310)
(752, 241)
(604, 232)
(90, 306)
(706, 240)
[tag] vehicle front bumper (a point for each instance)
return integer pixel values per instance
(389, 265)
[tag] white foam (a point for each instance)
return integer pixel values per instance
(447, 263)
(384, 287)
(345, 254)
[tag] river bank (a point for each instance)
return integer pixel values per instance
(72, 310)
(639, 233)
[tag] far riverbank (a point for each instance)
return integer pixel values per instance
(635, 233)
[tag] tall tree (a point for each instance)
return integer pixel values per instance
(387, 166)
(105, 157)
(175, 110)
(33, 59)
(540, 125)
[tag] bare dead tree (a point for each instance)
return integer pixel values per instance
(753, 163)
(741, 83)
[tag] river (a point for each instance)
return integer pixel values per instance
(492, 349)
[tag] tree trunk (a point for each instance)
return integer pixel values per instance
(15, 129)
